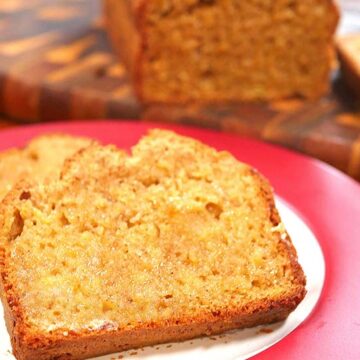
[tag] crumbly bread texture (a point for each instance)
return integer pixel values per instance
(41, 158)
(348, 48)
(224, 50)
(173, 242)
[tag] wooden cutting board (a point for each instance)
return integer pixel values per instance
(56, 63)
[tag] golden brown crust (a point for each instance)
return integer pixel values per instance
(285, 243)
(13, 315)
(123, 34)
(84, 345)
(29, 343)
(128, 36)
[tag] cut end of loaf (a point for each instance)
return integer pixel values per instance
(175, 241)
(223, 50)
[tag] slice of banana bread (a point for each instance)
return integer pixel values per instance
(224, 50)
(43, 156)
(173, 242)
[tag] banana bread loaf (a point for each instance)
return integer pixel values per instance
(224, 50)
(176, 241)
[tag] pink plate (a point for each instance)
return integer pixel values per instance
(327, 200)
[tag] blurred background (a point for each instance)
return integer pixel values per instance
(56, 63)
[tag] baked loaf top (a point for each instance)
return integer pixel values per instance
(42, 157)
(176, 233)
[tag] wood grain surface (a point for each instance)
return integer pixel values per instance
(56, 63)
